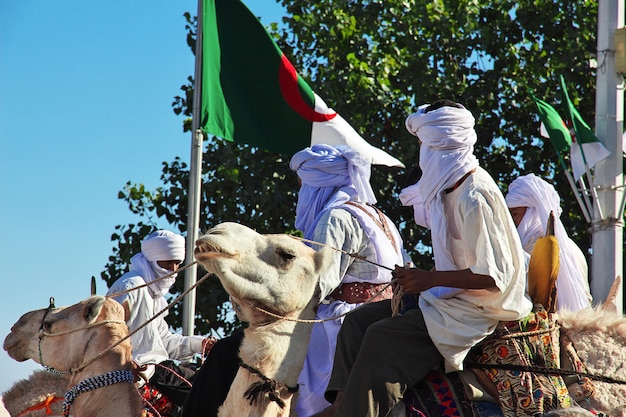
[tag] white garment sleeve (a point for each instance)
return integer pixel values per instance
(339, 229)
(179, 347)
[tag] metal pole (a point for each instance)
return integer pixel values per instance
(195, 184)
(607, 238)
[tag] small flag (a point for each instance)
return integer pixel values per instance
(553, 127)
(586, 150)
(252, 94)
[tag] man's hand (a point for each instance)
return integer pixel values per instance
(207, 345)
(412, 280)
(415, 280)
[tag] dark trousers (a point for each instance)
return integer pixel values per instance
(214, 378)
(171, 385)
(378, 357)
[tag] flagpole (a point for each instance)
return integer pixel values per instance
(607, 238)
(585, 193)
(585, 207)
(195, 183)
(577, 134)
(593, 190)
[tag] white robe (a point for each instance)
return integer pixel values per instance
(155, 342)
(483, 238)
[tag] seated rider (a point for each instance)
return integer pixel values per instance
(154, 345)
(530, 200)
(478, 281)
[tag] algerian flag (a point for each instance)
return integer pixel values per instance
(587, 150)
(252, 94)
(553, 127)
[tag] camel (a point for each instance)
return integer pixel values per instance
(268, 277)
(82, 342)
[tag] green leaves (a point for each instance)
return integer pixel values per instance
(374, 62)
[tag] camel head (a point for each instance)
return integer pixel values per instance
(274, 272)
(67, 333)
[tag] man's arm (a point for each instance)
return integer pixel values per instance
(415, 280)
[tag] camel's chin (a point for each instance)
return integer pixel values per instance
(17, 356)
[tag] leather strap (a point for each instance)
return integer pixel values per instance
(380, 222)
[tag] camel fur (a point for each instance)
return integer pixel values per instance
(599, 336)
(70, 350)
(266, 276)
(42, 392)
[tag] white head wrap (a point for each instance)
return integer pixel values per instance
(540, 198)
(164, 245)
(411, 196)
(446, 155)
(330, 176)
(161, 245)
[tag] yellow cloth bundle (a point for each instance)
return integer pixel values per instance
(543, 269)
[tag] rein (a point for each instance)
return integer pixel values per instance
(278, 316)
(544, 370)
(181, 269)
(352, 255)
(82, 366)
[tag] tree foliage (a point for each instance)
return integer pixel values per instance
(374, 62)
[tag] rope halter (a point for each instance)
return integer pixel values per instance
(43, 333)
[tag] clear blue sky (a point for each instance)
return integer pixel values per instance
(85, 106)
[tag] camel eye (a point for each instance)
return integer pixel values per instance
(46, 326)
(285, 255)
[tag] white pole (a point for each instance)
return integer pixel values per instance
(195, 183)
(607, 238)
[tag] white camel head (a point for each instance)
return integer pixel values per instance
(274, 272)
(269, 277)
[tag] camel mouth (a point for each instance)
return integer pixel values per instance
(11, 347)
(206, 250)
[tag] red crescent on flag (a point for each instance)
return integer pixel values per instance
(288, 82)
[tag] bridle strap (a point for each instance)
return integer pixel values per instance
(43, 333)
(95, 358)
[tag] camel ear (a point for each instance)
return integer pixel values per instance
(126, 305)
(610, 304)
(92, 308)
(323, 259)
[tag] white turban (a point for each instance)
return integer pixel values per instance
(330, 176)
(540, 198)
(164, 245)
(161, 245)
(447, 138)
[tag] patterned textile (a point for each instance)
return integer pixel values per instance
(533, 342)
(443, 395)
(163, 405)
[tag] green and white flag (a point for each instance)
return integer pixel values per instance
(553, 127)
(252, 94)
(586, 149)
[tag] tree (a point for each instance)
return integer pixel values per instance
(373, 61)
